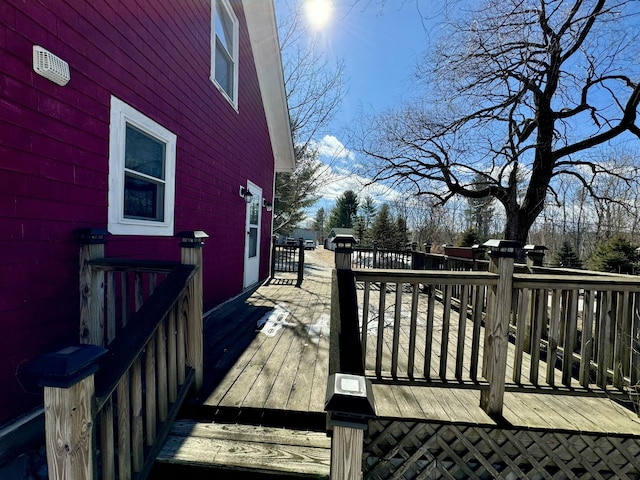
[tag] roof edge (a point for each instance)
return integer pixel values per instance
(263, 35)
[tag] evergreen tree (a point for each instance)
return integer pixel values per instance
(567, 257)
(343, 214)
(368, 212)
(400, 234)
(319, 225)
(470, 237)
(616, 255)
(383, 229)
(360, 229)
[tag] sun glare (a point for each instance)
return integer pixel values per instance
(318, 12)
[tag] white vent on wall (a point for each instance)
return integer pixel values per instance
(49, 66)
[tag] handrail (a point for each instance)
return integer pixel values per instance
(136, 334)
(121, 406)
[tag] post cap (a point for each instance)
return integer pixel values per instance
(349, 400)
(192, 238)
(502, 248)
(344, 241)
(92, 236)
(67, 366)
(534, 249)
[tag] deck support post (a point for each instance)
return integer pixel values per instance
(191, 243)
(92, 241)
(502, 254)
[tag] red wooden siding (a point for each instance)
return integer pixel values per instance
(54, 144)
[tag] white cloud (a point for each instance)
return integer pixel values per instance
(332, 148)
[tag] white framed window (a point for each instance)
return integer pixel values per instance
(224, 49)
(142, 164)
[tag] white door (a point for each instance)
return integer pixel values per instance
(252, 236)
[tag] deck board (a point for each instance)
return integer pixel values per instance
(288, 371)
(249, 448)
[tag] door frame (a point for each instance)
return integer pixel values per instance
(251, 260)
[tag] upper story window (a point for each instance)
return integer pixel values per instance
(142, 158)
(224, 49)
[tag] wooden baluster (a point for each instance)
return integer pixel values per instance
(380, 339)
(553, 336)
(124, 292)
(604, 334)
(462, 330)
(621, 344)
(181, 327)
(161, 362)
(107, 446)
(365, 321)
(477, 311)
(172, 361)
(634, 374)
(137, 431)
(570, 337)
(397, 318)
(150, 394)
(428, 341)
(522, 323)
(586, 342)
(415, 291)
(111, 307)
(124, 428)
(446, 324)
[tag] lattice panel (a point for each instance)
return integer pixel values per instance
(413, 450)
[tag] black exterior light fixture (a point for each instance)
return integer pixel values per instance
(267, 204)
(246, 194)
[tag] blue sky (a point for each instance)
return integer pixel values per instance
(380, 42)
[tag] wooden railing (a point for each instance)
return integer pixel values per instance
(588, 326)
(288, 259)
(498, 327)
(110, 419)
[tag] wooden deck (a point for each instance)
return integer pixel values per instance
(275, 375)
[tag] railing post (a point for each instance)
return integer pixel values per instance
(349, 400)
(273, 256)
(191, 243)
(92, 242)
(300, 262)
(69, 394)
(344, 250)
(502, 254)
(534, 255)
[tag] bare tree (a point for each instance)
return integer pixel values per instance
(518, 94)
(315, 89)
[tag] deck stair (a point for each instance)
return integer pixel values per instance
(242, 450)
